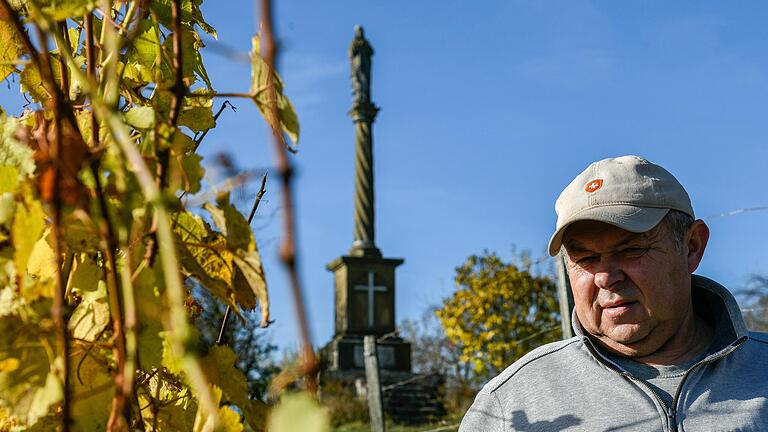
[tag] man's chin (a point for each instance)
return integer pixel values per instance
(628, 341)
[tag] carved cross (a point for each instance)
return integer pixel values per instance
(371, 288)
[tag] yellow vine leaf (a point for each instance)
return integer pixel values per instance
(92, 397)
(9, 179)
(28, 391)
(185, 168)
(12, 152)
(166, 405)
(10, 48)
(41, 271)
(91, 316)
(229, 420)
(219, 368)
(27, 228)
(249, 279)
(261, 80)
(203, 255)
(59, 10)
(151, 310)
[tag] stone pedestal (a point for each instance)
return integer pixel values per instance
(365, 305)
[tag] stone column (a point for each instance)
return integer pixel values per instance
(363, 114)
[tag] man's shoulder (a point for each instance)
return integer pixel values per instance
(543, 357)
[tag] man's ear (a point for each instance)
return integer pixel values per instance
(695, 243)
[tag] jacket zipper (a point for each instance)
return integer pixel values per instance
(609, 364)
(679, 391)
(670, 411)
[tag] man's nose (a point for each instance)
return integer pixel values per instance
(608, 273)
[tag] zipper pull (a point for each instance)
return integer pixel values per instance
(672, 420)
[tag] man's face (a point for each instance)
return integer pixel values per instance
(631, 291)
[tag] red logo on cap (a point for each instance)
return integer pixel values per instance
(593, 185)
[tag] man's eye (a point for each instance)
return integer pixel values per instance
(586, 259)
(632, 252)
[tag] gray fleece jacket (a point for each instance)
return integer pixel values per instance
(570, 385)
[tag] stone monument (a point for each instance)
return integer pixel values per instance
(365, 282)
(364, 279)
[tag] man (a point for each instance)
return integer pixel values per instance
(656, 348)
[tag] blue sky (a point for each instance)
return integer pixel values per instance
(488, 109)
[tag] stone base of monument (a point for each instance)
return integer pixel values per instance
(413, 398)
(408, 398)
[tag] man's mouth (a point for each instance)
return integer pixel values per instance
(617, 307)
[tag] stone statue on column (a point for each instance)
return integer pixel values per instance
(360, 53)
(363, 113)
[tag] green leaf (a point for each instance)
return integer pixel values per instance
(81, 234)
(192, 62)
(27, 390)
(203, 255)
(146, 50)
(26, 230)
(32, 83)
(298, 412)
(140, 117)
(91, 316)
(197, 113)
(249, 280)
(10, 48)
(261, 80)
(41, 271)
(172, 360)
(59, 10)
(12, 152)
(190, 14)
(51, 393)
(9, 179)
(249, 263)
(7, 209)
(151, 308)
(93, 389)
(86, 277)
(186, 172)
(10, 302)
(220, 370)
(74, 38)
(167, 405)
(135, 74)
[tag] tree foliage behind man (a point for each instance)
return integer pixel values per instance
(754, 303)
(500, 311)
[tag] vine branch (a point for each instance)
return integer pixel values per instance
(288, 252)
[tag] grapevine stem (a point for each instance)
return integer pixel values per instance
(288, 254)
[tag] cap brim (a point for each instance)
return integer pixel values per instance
(627, 217)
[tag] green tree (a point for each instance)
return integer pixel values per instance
(97, 248)
(499, 312)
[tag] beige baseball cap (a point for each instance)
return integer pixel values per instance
(628, 192)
